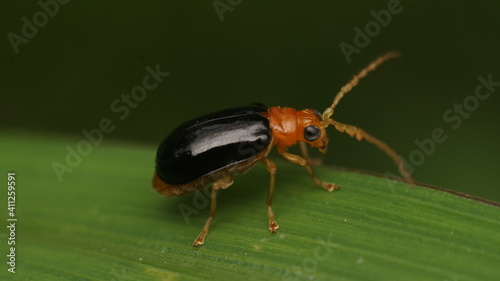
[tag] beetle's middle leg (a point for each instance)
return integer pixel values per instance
(219, 184)
(303, 162)
(271, 168)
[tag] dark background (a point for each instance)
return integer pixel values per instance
(279, 53)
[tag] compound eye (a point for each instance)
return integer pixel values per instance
(312, 133)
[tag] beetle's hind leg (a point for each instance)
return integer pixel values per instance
(271, 168)
(219, 184)
(303, 162)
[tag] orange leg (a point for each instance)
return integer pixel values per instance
(219, 184)
(360, 134)
(271, 168)
(305, 154)
(303, 162)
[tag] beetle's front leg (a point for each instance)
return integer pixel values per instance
(303, 162)
(219, 184)
(305, 154)
(271, 168)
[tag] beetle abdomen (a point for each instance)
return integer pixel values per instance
(211, 143)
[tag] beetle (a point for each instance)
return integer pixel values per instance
(211, 149)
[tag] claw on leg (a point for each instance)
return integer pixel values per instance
(296, 159)
(272, 222)
(330, 186)
(201, 238)
(271, 168)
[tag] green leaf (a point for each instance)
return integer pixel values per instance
(105, 222)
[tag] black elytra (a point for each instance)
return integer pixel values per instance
(211, 143)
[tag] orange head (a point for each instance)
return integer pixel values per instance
(289, 126)
(311, 130)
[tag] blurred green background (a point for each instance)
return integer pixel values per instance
(65, 78)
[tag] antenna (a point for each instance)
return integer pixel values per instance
(354, 81)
